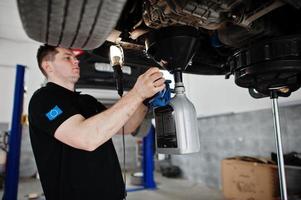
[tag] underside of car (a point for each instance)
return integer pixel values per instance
(233, 36)
(225, 26)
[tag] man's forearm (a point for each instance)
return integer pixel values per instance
(119, 114)
(90, 133)
(136, 119)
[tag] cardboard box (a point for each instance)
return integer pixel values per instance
(245, 178)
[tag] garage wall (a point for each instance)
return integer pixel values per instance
(247, 133)
(131, 155)
(214, 95)
(7, 74)
(12, 53)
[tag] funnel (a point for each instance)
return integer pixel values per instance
(172, 47)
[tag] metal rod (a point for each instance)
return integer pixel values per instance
(281, 169)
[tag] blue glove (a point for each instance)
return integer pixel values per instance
(162, 98)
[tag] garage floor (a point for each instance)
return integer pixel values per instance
(168, 189)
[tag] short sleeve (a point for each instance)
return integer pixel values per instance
(89, 105)
(47, 111)
(101, 106)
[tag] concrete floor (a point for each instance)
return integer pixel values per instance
(167, 189)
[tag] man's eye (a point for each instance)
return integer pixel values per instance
(67, 58)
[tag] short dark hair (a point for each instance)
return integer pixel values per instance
(45, 52)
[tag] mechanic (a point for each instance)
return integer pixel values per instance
(71, 132)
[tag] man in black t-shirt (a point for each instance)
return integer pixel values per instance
(71, 133)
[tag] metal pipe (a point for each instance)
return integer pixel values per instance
(10, 66)
(281, 169)
(7, 66)
(178, 76)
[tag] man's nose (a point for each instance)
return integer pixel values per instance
(75, 61)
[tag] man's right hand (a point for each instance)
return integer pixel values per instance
(149, 83)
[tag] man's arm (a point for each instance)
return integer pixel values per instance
(88, 134)
(137, 118)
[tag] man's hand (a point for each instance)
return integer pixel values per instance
(149, 83)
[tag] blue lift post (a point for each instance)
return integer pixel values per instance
(14, 141)
(148, 162)
(148, 159)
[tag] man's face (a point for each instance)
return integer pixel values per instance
(65, 65)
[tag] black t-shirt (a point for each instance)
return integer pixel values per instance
(66, 172)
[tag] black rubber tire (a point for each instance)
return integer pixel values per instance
(83, 24)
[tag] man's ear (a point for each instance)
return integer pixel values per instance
(46, 65)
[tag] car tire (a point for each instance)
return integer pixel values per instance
(83, 24)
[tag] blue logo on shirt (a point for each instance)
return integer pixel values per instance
(54, 113)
